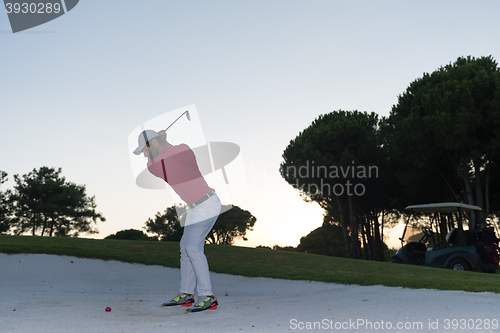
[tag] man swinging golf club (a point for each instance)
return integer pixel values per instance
(178, 167)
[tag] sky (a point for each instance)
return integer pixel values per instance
(73, 90)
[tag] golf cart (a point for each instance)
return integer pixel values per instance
(472, 249)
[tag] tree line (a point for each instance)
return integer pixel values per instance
(44, 203)
(439, 143)
(167, 226)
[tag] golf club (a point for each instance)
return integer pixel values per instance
(187, 115)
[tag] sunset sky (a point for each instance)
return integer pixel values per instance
(74, 90)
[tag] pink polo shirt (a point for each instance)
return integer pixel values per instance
(177, 166)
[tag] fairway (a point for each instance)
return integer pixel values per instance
(258, 262)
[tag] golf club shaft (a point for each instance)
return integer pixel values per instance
(177, 119)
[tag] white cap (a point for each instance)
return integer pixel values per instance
(144, 137)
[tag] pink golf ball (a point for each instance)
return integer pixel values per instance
(108, 309)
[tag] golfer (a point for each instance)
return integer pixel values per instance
(178, 167)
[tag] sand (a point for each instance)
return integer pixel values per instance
(47, 293)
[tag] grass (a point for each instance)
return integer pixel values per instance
(260, 262)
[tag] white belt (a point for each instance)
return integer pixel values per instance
(203, 199)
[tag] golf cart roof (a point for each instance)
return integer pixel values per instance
(443, 207)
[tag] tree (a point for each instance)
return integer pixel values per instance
(325, 240)
(230, 225)
(129, 234)
(284, 248)
(45, 202)
(338, 162)
(167, 226)
(444, 133)
(4, 206)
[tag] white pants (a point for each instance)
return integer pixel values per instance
(194, 265)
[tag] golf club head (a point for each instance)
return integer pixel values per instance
(187, 115)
